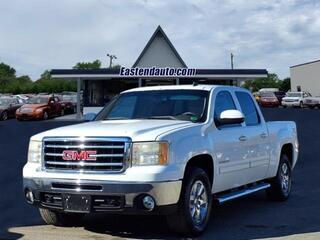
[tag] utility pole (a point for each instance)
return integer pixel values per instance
(111, 58)
(231, 60)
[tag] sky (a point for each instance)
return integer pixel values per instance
(36, 35)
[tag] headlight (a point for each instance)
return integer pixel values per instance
(39, 110)
(34, 152)
(150, 153)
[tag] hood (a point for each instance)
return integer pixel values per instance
(33, 106)
(291, 98)
(137, 130)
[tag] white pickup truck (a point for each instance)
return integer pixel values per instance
(169, 150)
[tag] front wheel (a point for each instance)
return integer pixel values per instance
(4, 116)
(45, 115)
(59, 218)
(281, 184)
(192, 216)
(301, 105)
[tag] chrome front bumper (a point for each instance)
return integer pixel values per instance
(164, 193)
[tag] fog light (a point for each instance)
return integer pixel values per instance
(148, 203)
(29, 196)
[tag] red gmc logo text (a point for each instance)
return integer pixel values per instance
(71, 155)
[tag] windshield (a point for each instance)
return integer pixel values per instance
(267, 94)
(4, 101)
(69, 98)
(188, 105)
(294, 94)
(37, 100)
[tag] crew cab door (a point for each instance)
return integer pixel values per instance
(255, 137)
(230, 150)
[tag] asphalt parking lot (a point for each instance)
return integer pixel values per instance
(253, 217)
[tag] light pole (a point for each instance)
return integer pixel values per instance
(231, 56)
(111, 58)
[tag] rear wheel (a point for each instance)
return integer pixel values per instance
(4, 115)
(193, 213)
(281, 184)
(59, 218)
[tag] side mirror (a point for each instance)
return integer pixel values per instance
(89, 116)
(231, 117)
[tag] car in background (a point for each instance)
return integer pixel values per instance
(268, 99)
(256, 96)
(40, 107)
(8, 107)
(295, 99)
(21, 98)
(312, 102)
(280, 95)
(69, 103)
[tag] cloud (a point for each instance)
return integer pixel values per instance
(42, 34)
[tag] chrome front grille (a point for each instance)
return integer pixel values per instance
(69, 154)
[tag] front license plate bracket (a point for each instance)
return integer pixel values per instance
(77, 203)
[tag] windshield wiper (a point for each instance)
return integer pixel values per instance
(162, 117)
(115, 118)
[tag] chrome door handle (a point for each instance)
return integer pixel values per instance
(243, 138)
(263, 135)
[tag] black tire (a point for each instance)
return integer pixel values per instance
(280, 188)
(4, 116)
(60, 219)
(45, 115)
(181, 221)
(301, 105)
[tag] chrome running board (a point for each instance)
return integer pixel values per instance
(240, 193)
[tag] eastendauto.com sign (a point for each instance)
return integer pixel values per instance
(155, 72)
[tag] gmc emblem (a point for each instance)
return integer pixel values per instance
(72, 155)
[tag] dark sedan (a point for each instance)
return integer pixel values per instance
(8, 107)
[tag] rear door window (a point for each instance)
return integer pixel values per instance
(251, 116)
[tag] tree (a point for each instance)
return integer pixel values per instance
(271, 81)
(7, 71)
(285, 85)
(88, 65)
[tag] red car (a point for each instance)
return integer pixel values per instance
(40, 107)
(269, 99)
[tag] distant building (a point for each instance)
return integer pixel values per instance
(306, 77)
(154, 66)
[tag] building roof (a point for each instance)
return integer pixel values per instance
(159, 31)
(302, 64)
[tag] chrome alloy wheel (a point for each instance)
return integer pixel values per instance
(198, 204)
(285, 178)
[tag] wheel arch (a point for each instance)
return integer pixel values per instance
(288, 149)
(203, 161)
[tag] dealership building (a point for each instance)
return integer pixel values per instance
(306, 77)
(159, 63)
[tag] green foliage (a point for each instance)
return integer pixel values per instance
(7, 71)
(88, 65)
(9, 83)
(285, 85)
(272, 81)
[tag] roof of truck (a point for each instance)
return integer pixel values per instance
(176, 87)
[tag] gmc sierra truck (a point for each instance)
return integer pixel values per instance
(165, 150)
